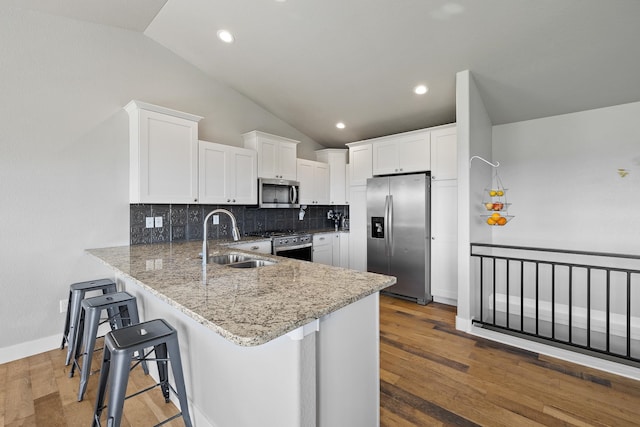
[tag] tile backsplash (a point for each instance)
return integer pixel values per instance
(184, 222)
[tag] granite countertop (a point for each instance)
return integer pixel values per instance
(247, 306)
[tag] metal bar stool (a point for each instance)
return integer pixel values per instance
(122, 311)
(77, 292)
(119, 347)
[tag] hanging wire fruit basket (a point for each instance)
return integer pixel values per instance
(495, 203)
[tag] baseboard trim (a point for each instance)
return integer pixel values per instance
(559, 353)
(29, 348)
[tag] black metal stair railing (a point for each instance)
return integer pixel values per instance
(586, 301)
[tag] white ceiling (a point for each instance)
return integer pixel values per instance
(316, 62)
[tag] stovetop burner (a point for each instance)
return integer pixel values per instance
(273, 233)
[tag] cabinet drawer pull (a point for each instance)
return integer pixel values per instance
(255, 248)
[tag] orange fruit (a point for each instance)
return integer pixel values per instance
(495, 216)
(502, 220)
(491, 221)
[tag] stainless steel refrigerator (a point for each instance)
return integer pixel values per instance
(398, 233)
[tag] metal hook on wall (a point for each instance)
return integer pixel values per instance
(484, 160)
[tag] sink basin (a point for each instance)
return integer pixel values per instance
(227, 258)
(238, 261)
(251, 263)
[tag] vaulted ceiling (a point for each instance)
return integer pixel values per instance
(314, 63)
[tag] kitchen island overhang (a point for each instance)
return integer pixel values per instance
(294, 343)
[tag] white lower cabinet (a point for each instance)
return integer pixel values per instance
(331, 249)
(323, 248)
(259, 246)
(444, 245)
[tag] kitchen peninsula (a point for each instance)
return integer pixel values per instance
(289, 344)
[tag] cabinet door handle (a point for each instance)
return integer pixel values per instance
(195, 200)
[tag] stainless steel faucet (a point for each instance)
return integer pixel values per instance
(235, 233)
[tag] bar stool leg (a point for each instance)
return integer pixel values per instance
(102, 386)
(66, 323)
(92, 318)
(163, 372)
(74, 315)
(178, 377)
(118, 387)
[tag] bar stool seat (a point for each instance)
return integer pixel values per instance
(77, 292)
(122, 310)
(119, 348)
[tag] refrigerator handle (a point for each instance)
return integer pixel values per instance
(386, 225)
(390, 224)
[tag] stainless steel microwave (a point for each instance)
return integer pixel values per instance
(278, 193)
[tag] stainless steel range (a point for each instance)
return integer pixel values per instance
(290, 244)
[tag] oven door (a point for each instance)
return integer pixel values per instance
(302, 252)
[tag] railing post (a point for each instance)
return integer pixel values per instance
(553, 301)
(571, 304)
(608, 312)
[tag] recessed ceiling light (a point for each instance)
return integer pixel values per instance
(421, 89)
(225, 36)
(340, 125)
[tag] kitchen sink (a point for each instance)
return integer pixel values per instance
(251, 263)
(228, 258)
(239, 261)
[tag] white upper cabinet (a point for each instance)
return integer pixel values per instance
(337, 160)
(314, 182)
(163, 162)
(360, 163)
(227, 175)
(403, 153)
(276, 155)
(444, 159)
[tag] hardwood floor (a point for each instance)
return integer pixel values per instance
(431, 375)
(37, 391)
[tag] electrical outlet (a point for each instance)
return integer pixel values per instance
(64, 305)
(149, 222)
(216, 219)
(158, 222)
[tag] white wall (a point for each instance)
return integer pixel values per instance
(564, 186)
(64, 154)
